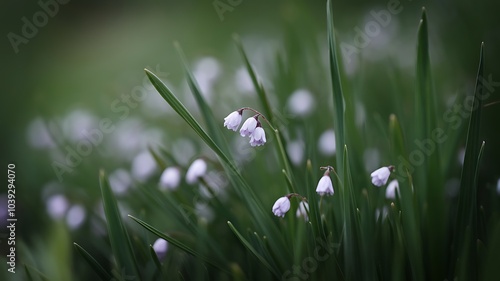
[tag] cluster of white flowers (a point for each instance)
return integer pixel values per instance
(251, 128)
(325, 187)
(380, 177)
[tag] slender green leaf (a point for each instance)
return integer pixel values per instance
(253, 250)
(338, 97)
(179, 244)
(467, 204)
(155, 260)
(118, 235)
(98, 269)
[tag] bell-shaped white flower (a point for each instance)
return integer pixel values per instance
(233, 120)
(325, 186)
(197, 169)
(302, 210)
(281, 206)
(258, 137)
(248, 127)
(160, 247)
(390, 191)
(381, 175)
(170, 178)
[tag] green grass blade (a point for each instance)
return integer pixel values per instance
(30, 269)
(213, 126)
(258, 86)
(179, 244)
(467, 204)
(338, 97)
(155, 259)
(253, 250)
(98, 269)
(118, 235)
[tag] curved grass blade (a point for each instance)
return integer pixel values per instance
(155, 260)
(179, 244)
(30, 269)
(253, 250)
(258, 86)
(213, 126)
(467, 204)
(338, 97)
(98, 269)
(118, 235)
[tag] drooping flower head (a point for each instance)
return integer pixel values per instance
(281, 206)
(258, 137)
(233, 120)
(325, 185)
(249, 126)
(381, 175)
(160, 247)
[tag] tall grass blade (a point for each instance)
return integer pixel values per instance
(118, 235)
(467, 200)
(98, 269)
(338, 97)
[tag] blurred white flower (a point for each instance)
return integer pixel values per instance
(390, 191)
(39, 135)
(325, 186)
(197, 169)
(381, 175)
(160, 246)
(57, 205)
(170, 178)
(281, 206)
(206, 71)
(243, 81)
(78, 124)
(75, 216)
(301, 102)
(302, 210)
(295, 150)
(143, 166)
(258, 137)
(498, 186)
(326, 143)
(248, 127)
(233, 120)
(120, 181)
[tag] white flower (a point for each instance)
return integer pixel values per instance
(380, 176)
(390, 191)
(325, 186)
(248, 127)
(233, 120)
(196, 170)
(302, 210)
(57, 205)
(160, 246)
(170, 178)
(281, 206)
(258, 137)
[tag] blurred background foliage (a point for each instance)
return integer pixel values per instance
(67, 78)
